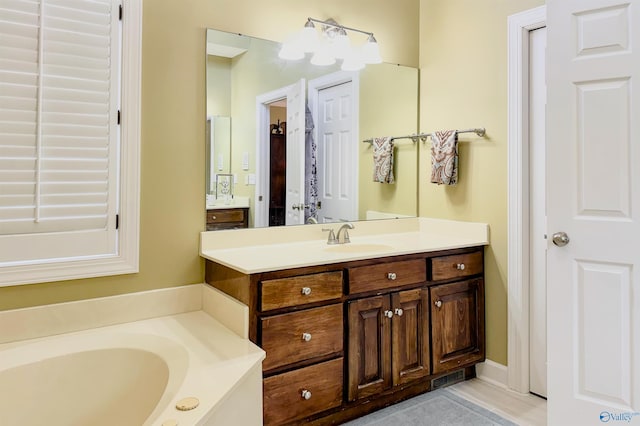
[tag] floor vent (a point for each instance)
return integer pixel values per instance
(449, 379)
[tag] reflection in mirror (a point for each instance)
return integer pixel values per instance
(294, 141)
(218, 150)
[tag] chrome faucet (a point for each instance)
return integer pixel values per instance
(345, 238)
(332, 236)
(335, 238)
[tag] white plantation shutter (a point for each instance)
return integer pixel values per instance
(59, 134)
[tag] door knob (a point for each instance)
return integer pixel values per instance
(560, 239)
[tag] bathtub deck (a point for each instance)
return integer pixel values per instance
(219, 362)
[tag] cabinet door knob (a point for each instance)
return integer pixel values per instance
(460, 266)
(388, 314)
(438, 303)
(306, 291)
(306, 336)
(399, 312)
(213, 217)
(392, 276)
(306, 394)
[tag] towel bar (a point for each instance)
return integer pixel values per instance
(480, 131)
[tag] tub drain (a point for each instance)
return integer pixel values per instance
(187, 404)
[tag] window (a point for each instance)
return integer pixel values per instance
(69, 139)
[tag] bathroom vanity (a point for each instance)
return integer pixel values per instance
(349, 329)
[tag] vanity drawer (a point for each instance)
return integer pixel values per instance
(283, 394)
(456, 266)
(297, 336)
(294, 291)
(225, 215)
(387, 275)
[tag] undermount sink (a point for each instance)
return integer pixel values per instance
(357, 248)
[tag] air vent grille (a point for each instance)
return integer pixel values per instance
(449, 379)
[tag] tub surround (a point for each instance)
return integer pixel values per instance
(418, 282)
(268, 249)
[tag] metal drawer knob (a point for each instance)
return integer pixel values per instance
(388, 314)
(306, 291)
(460, 266)
(392, 276)
(399, 312)
(438, 303)
(306, 394)
(306, 336)
(213, 217)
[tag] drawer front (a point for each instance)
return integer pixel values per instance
(225, 215)
(387, 275)
(283, 394)
(294, 291)
(297, 336)
(456, 266)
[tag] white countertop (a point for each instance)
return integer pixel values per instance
(233, 203)
(253, 251)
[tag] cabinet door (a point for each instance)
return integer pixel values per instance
(410, 334)
(369, 347)
(457, 321)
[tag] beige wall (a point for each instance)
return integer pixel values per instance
(463, 62)
(389, 107)
(218, 86)
(173, 131)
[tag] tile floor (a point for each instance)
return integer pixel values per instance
(523, 409)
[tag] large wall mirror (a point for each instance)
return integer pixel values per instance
(285, 138)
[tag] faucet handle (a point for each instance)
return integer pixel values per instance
(332, 236)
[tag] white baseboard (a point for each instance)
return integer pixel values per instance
(493, 373)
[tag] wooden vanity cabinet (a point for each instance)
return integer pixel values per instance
(228, 218)
(345, 339)
(388, 341)
(457, 311)
(301, 328)
(457, 324)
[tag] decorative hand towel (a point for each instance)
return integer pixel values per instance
(444, 157)
(383, 159)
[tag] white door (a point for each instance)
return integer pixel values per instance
(593, 184)
(295, 153)
(538, 215)
(337, 154)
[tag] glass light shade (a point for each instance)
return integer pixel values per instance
(323, 56)
(309, 38)
(291, 50)
(371, 51)
(341, 45)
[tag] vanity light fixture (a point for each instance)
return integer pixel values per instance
(333, 44)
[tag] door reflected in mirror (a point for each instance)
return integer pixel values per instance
(291, 135)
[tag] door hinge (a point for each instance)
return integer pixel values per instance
(117, 221)
(120, 12)
(118, 117)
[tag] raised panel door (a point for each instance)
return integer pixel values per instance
(457, 324)
(410, 334)
(369, 356)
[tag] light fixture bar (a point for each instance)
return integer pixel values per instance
(335, 25)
